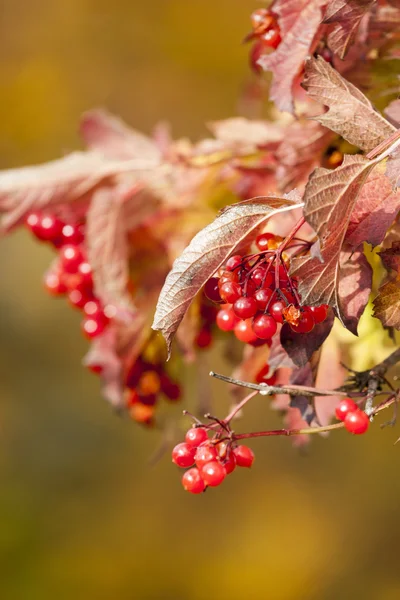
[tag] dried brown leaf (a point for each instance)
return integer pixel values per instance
(391, 257)
(209, 249)
(350, 113)
(387, 304)
(346, 16)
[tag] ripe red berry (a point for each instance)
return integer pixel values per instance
(54, 283)
(319, 312)
(193, 482)
(356, 421)
(264, 326)
(244, 456)
(230, 291)
(245, 307)
(230, 463)
(50, 228)
(183, 455)
(85, 277)
(261, 19)
(97, 369)
(204, 338)
(213, 473)
(196, 436)
(92, 327)
(276, 309)
(72, 234)
(306, 322)
(71, 257)
(244, 332)
(32, 222)
(169, 388)
(77, 299)
(264, 377)
(233, 262)
(263, 296)
(345, 406)
(262, 241)
(272, 37)
(226, 319)
(211, 289)
(205, 453)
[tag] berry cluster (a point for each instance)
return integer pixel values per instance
(355, 420)
(214, 459)
(265, 34)
(146, 381)
(71, 276)
(258, 295)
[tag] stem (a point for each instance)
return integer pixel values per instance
(393, 141)
(239, 407)
(291, 235)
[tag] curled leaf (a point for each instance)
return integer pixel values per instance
(346, 16)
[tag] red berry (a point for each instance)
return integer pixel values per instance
(54, 283)
(85, 278)
(230, 463)
(205, 453)
(244, 456)
(193, 482)
(71, 257)
(204, 338)
(226, 319)
(50, 228)
(32, 221)
(93, 327)
(233, 262)
(261, 19)
(97, 369)
(356, 421)
(263, 376)
(244, 331)
(211, 289)
(183, 455)
(213, 473)
(148, 400)
(276, 309)
(264, 326)
(245, 307)
(230, 291)
(196, 436)
(77, 299)
(258, 275)
(262, 241)
(272, 37)
(263, 296)
(345, 406)
(72, 234)
(319, 312)
(306, 322)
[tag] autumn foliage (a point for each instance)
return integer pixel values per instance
(143, 226)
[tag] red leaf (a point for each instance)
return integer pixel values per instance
(329, 200)
(299, 21)
(209, 249)
(391, 257)
(355, 282)
(374, 211)
(300, 348)
(350, 113)
(393, 169)
(331, 375)
(346, 16)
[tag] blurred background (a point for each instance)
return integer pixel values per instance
(82, 514)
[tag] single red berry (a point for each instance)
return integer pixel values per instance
(71, 257)
(85, 277)
(205, 453)
(257, 276)
(193, 482)
(51, 228)
(356, 421)
(244, 456)
(272, 37)
(32, 222)
(230, 463)
(183, 455)
(228, 276)
(345, 406)
(211, 289)
(276, 309)
(226, 319)
(196, 436)
(77, 299)
(54, 283)
(319, 312)
(263, 297)
(230, 291)
(204, 338)
(73, 234)
(213, 473)
(262, 241)
(245, 307)
(306, 322)
(261, 19)
(233, 262)
(93, 327)
(97, 369)
(244, 332)
(264, 326)
(264, 377)
(269, 280)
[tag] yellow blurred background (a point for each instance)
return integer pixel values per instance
(82, 514)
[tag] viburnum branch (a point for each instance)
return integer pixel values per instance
(389, 144)
(239, 406)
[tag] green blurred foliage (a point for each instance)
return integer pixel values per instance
(82, 513)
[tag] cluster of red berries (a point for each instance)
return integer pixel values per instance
(258, 294)
(355, 420)
(71, 276)
(146, 381)
(214, 459)
(265, 34)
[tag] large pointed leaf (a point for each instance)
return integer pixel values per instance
(329, 200)
(299, 21)
(208, 250)
(350, 113)
(346, 16)
(355, 282)
(300, 348)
